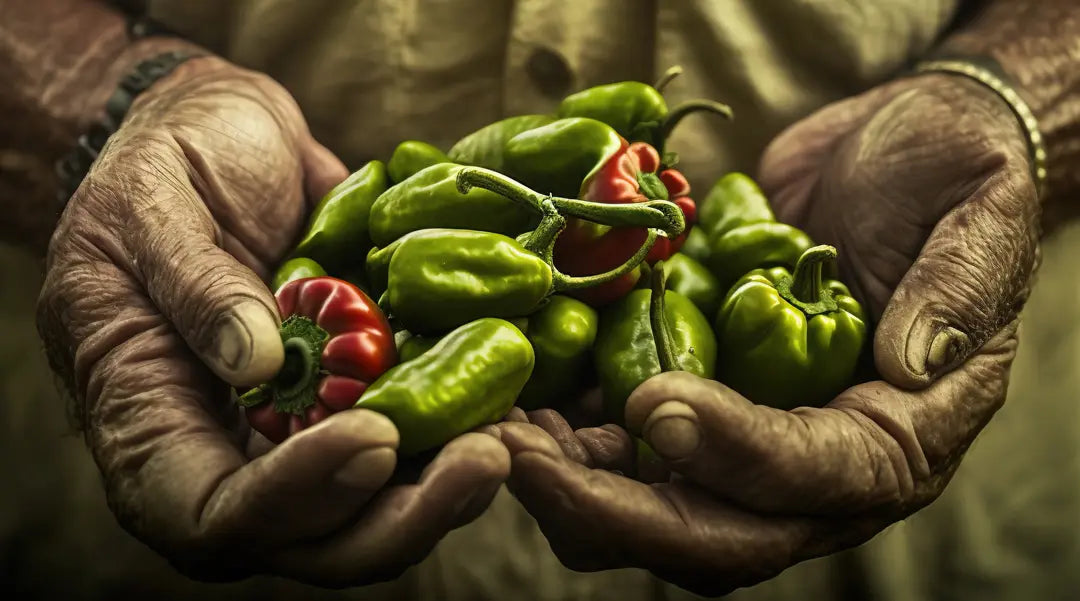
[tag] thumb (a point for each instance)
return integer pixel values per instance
(970, 280)
(322, 170)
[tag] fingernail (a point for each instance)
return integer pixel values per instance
(947, 347)
(672, 430)
(367, 470)
(248, 346)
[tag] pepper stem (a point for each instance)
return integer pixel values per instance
(665, 344)
(677, 114)
(562, 282)
(293, 389)
(660, 214)
(665, 79)
(806, 287)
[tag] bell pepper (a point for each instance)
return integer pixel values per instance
(484, 147)
(337, 235)
(431, 198)
(648, 332)
(438, 278)
(694, 281)
(789, 339)
(296, 269)
(411, 157)
(636, 110)
(757, 245)
(469, 378)
(696, 245)
(733, 201)
(414, 346)
(629, 176)
(337, 342)
(562, 333)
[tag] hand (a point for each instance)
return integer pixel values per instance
(154, 301)
(924, 186)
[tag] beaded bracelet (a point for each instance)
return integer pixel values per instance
(988, 74)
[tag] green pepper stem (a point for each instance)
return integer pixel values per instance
(665, 344)
(542, 240)
(677, 114)
(562, 282)
(293, 388)
(806, 281)
(660, 214)
(665, 79)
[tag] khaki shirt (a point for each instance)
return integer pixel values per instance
(371, 73)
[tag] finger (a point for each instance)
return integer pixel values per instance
(403, 523)
(970, 280)
(874, 447)
(609, 448)
(557, 427)
(322, 170)
(597, 520)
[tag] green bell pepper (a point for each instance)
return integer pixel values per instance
(484, 147)
(559, 157)
(411, 157)
(337, 234)
(696, 245)
(733, 201)
(636, 110)
(757, 245)
(296, 269)
(790, 339)
(694, 281)
(648, 332)
(431, 199)
(562, 333)
(470, 378)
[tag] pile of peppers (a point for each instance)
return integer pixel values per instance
(538, 257)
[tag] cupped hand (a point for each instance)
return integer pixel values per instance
(154, 303)
(924, 185)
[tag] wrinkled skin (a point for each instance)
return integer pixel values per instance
(924, 185)
(155, 299)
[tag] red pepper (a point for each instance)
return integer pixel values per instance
(337, 342)
(586, 248)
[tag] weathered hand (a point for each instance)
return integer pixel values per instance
(924, 186)
(154, 302)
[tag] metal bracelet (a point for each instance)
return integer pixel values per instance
(990, 77)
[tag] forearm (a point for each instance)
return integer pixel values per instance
(59, 61)
(1037, 44)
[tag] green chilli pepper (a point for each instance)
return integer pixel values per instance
(411, 157)
(648, 332)
(470, 378)
(296, 269)
(696, 245)
(734, 200)
(337, 234)
(694, 281)
(437, 279)
(636, 110)
(562, 333)
(484, 147)
(559, 157)
(414, 346)
(757, 245)
(790, 339)
(431, 198)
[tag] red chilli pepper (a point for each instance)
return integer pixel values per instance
(586, 248)
(337, 343)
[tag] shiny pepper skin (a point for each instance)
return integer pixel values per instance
(412, 156)
(485, 146)
(337, 342)
(469, 378)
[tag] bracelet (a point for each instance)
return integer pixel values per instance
(987, 73)
(73, 168)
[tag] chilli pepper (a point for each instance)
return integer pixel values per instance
(431, 199)
(484, 147)
(694, 281)
(648, 332)
(337, 342)
(337, 234)
(734, 200)
(437, 279)
(411, 157)
(559, 157)
(296, 269)
(629, 176)
(562, 334)
(696, 245)
(790, 339)
(636, 110)
(471, 377)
